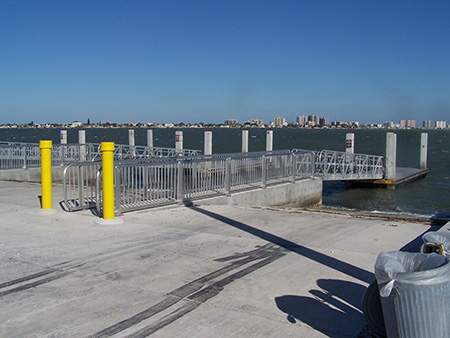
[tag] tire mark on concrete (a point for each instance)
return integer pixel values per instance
(27, 278)
(34, 284)
(195, 292)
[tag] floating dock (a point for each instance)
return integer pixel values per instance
(402, 176)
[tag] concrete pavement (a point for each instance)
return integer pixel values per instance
(202, 271)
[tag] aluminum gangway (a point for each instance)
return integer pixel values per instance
(145, 183)
(15, 155)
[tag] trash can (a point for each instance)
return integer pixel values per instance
(415, 294)
(438, 242)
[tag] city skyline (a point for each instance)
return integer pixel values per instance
(208, 61)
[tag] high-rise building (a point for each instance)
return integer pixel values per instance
(441, 124)
(403, 124)
(410, 123)
(428, 124)
(323, 121)
(279, 122)
(302, 120)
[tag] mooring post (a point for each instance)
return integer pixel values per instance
(107, 149)
(179, 142)
(245, 141)
(423, 150)
(63, 137)
(269, 140)
(350, 143)
(82, 143)
(208, 143)
(131, 140)
(46, 174)
(63, 142)
(391, 155)
(150, 138)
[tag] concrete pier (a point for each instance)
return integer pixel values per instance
(203, 271)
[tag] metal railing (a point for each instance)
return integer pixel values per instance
(336, 165)
(146, 183)
(27, 155)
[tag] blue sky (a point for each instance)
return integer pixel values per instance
(206, 61)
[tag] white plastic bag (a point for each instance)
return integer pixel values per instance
(409, 270)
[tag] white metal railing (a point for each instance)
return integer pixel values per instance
(335, 165)
(146, 184)
(142, 183)
(80, 180)
(27, 155)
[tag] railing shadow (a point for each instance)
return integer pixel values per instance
(334, 309)
(331, 262)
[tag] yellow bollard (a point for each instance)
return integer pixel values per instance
(46, 174)
(107, 149)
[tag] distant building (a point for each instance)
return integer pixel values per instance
(323, 121)
(402, 124)
(255, 123)
(410, 123)
(428, 124)
(441, 124)
(389, 124)
(231, 122)
(314, 118)
(279, 122)
(301, 120)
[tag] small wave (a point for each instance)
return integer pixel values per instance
(382, 212)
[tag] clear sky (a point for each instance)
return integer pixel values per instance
(206, 61)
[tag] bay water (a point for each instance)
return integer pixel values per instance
(424, 197)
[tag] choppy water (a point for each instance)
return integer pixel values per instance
(424, 197)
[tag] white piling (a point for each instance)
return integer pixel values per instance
(82, 142)
(179, 141)
(63, 136)
(391, 155)
(423, 150)
(150, 138)
(208, 143)
(131, 140)
(269, 140)
(350, 143)
(245, 141)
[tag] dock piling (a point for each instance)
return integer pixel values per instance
(245, 141)
(269, 140)
(391, 155)
(423, 150)
(208, 143)
(350, 143)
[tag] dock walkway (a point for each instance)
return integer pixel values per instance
(209, 271)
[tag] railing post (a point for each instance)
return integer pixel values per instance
(245, 141)
(264, 172)
(180, 181)
(46, 174)
(117, 196)
(228, 176)
(423, 150)
(294, 167)
(25, 156)
(107, 149)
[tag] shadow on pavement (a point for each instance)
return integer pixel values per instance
(316, 256)
(334, 309)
